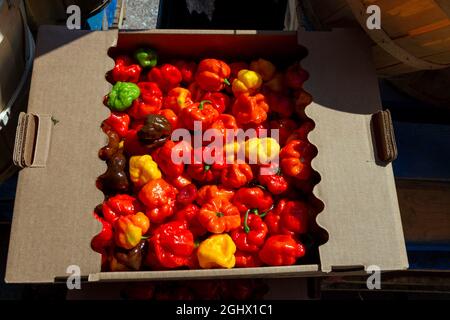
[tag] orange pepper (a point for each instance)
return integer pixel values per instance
(219, 215)
(212, 75)
(250, 109)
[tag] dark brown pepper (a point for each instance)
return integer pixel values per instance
(155, 132)
(131, 258)
(115, 179)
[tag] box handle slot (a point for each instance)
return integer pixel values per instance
(384, 137)
(32, 142)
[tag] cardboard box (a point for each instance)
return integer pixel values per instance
(53, 224)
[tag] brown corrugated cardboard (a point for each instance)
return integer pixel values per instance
(53, 224)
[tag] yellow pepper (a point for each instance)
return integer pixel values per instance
(231, 150)
(129, 229)
(143, 169)
(247, 81)
(261, 150)
(265, 68)
(217, 252)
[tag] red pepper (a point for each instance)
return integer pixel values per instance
(207, 171)
(212, 75)
(119, 122)
(189, 214)
(236, 175)
(166, 76)
(285, 128)
(177, 99)
(125, 70)
(259, 128)
(281, 250)
(224, 122)
(273, 179)
(120, 205)
(279, 103)
(202, 112)
(250, 109)
(247, 259)
(159, 198)
(149, 102)
(171, 117)
(302, 132)
(187, 70)
(180, 181)
(163, 157)
(289, 217)
(172, 244)
(104, 239)
(255, 199)
(196, 92)
(219, 101)
(296, 76)
(187, 194)
(295, 159)
(251, 235)
(132, 144)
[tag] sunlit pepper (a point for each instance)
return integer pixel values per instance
(281, 250)
(272, 179)
(201, 112)
(187, 70)
(289, 217)
(172, 244)
(147, 58)
(217, 252)
(250, 236)
(218, 215)
(166, 76)
(102, 241)
(295, 159)
(163, 157)
(208, 192)
(189, 214)
(177, 98)
(250, 109)
(159, 198)
(236, 175)
(263, 67)
(122, 95)
(223, 123)
(171, 117)
(119, 122)
(120, 205)
(255, 199)
(180, 181)
(212, 75)
(187, 194)
(128, 230)
(261, 150)
(219, 100)
(127, 259)
(247, 259)
(143, 169)
(296, 76)
(149, 102)
(247, 82)
(115, 179)
(125, 70)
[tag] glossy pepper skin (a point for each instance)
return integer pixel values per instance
(159, 198)
(273, 180)
(265, 68)
(155, 131)
(289, 217)
(208, 192)
(212, 75)
(163, 157)
(166, 76)
(171, 117)
(172, 244)
(122, 95)
(149, 102)
(119, 122)
(187, 194)
(112, 147)
(224, 122)
(261, 150)
(251, 235)
(202, 112)
(250, 109)
(180, 181)
(247, 82)
(115, 179)
(218, 215)
(143, 169)
(178, 98)
(147, 58)
(187, 69)
(281, 250)
(236, 175)
(209, 170)
(219, 100)
(128, 259)
(285, 128)
(217, 252)
(189, 214)
(295, 159)
(125, 70)
(129, 230)
(102, 241)
(255, 199)
(247, 259)
(120, 205)
(296, 76)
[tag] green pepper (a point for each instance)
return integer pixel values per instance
(147, 58)
(122, 95)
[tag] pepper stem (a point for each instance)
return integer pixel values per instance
(262, 215)
(206, 167)
(219, 214)
(246, 227)
(145, 237)
(200, 106)
(227, 82)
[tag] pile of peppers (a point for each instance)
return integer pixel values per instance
(161, 215)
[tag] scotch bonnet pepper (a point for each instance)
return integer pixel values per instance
(143, 169)
(104, 239)
(212, 75)
(236, 175)
(122, 95)
(261, 150)
(218, 215)
(251, 235)
(125, 70)
(119, 122)
(167, 77)
(247, 81)
(289, 217)
(149, 102)
(217, 252)
(281, 250)
(155, 131)
(264, 68)
(201, 112)
(159, 198)
(178, 98)
(120, 205)
(255, 199)
(130, 229)
(295, 159)
(219, 101)
(163, 157)
(250, 109)
(208, 192)
(147, 58)
(187, 69)
(272, 178)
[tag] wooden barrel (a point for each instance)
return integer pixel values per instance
(414, 35)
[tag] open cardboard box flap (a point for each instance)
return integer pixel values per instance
(53, 222)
